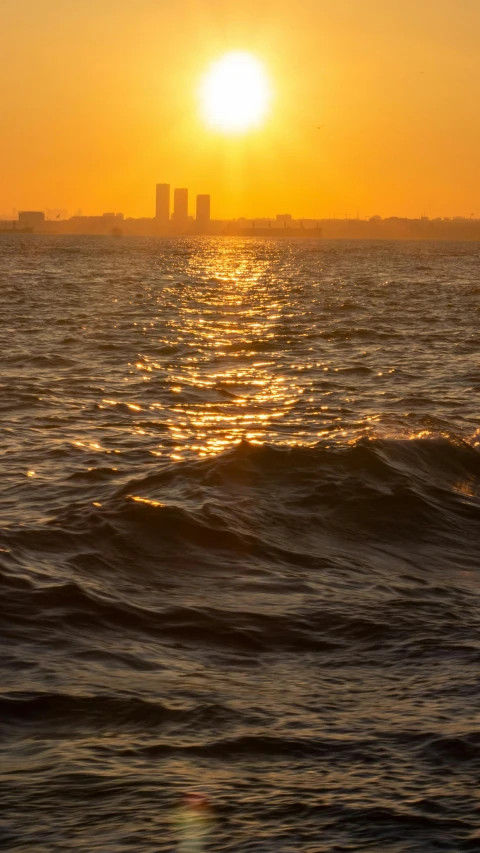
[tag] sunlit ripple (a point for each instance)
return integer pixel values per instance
(232, 381)
(256, 340)
(195, 345)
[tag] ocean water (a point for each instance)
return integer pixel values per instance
(239, 545)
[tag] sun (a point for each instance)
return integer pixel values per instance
(235, 93)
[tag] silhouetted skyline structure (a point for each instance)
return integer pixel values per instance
(284, 225)
(162, 203)
(180, 207)
(31, 219)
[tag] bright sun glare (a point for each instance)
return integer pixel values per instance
(235, 93)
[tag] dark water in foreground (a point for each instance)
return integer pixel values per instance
(240, 506)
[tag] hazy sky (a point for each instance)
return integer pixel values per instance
(99, 102)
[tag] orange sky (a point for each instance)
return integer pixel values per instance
(98, 103)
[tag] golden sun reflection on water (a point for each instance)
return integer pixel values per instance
(251, 340)
(140, 500)
(233, 379)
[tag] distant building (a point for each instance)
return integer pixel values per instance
(180, 207)
(203, 209)
(31, 219)
(162, 205)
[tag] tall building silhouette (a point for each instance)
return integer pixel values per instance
(162, 206)
(180, 206)
(203, 209)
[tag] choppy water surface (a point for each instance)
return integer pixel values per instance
(240, 506)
